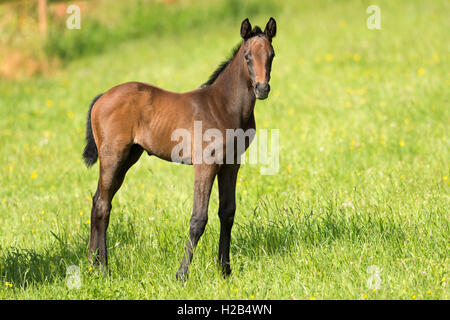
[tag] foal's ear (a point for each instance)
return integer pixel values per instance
(246, 29)
(271, 28)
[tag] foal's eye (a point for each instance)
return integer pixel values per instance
(246, 57)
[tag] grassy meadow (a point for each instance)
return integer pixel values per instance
(363, 182)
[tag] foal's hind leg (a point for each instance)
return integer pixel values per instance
(227, 207)
(113, 167)
(203, 180)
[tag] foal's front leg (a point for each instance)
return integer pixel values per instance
(227, 207)
(203, 180)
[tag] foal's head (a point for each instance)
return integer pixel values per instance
(258, 54)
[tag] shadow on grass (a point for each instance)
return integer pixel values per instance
(279, 230)
(24, 267)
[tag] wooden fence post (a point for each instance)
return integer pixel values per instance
(42, 8)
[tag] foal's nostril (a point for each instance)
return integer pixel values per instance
(263, 87)
(262, 90)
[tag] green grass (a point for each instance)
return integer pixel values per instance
(363, 180)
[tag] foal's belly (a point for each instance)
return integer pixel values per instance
(162, 127)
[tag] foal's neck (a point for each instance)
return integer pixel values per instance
(236, 90)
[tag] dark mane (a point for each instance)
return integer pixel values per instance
(221, 67)
(255, 32)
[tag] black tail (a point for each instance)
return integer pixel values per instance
(90, 153)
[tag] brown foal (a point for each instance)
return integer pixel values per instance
(133, 117)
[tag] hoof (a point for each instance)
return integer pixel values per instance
(182, 275)
(101, 269)
(226, 270)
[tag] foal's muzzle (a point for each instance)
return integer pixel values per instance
(262, 90)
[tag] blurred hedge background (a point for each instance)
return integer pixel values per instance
(34, 38)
